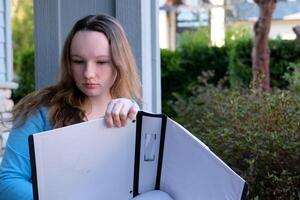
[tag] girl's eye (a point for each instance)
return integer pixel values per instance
(102, 62)
(77, 61)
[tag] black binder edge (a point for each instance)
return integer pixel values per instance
(139, 122)
(245, 192)
(137, 154)
(33, 168)
(161, 151)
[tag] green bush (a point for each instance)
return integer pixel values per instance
(293, 76)
(235, 34)
(259, 138)
(239, 69)
(189, 38)
(282, 53)
(25, 78)
(171, 80)
(203, 58)
(233, 61)
(180, 68)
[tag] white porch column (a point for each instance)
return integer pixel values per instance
(217, 23)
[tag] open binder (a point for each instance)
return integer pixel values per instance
(90, 161)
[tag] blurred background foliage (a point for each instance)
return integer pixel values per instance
(23, 47)
(231, 63)
(258, 137)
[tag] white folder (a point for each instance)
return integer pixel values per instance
(90, 161)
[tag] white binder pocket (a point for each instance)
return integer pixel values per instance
(150, 147)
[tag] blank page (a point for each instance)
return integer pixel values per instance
(191, 171)
(85, 161)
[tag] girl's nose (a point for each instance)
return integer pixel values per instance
(89, 71)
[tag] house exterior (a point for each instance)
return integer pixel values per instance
(285, 16)
(6, 72)
(177, 16)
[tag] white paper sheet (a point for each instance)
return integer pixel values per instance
(191, 171)
(85, 161)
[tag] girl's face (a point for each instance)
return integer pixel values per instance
(91, 64)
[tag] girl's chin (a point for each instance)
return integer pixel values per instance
(95, 94)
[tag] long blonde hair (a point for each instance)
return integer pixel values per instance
(64, 99)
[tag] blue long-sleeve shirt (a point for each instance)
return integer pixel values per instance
(15, 171)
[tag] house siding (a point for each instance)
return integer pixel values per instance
(6, 104)
(250, 11)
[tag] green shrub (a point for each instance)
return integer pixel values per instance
(203, 58)
(257, 138)
(233, 62)
(239, 69)
(180, 68)
(235, 34)
(25, 78)
(170, 74)
(293, 76)
(22, 30)
(194, 38)
(282, 53)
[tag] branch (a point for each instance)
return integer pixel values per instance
(296, 29)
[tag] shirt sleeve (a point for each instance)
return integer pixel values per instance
(15, 172)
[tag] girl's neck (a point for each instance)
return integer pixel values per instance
(96, 107)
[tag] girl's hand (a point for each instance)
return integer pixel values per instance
(119, 111)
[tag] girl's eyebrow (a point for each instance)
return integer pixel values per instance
(75, 56)
(100, 56)
(103, 56)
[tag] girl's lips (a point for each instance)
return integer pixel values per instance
(90, 85)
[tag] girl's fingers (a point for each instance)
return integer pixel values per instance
(119, 111)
